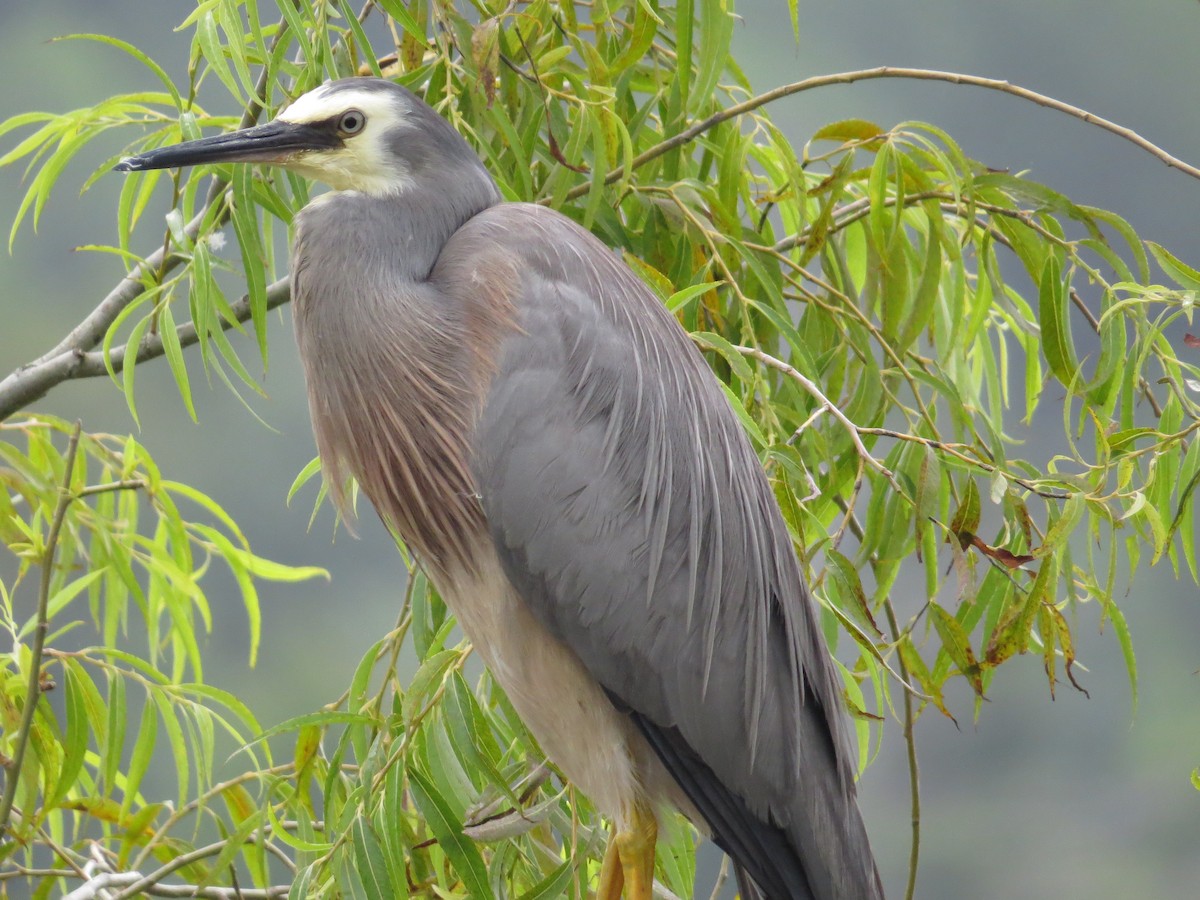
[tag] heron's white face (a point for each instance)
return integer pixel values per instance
(362, 119)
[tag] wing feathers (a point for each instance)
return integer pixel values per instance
(631, 513)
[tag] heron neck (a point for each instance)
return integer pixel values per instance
(402, 233)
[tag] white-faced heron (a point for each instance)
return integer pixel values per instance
(528, 416)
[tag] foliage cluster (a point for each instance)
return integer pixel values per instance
(889, 318)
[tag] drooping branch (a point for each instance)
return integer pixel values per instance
(739, 109)
(63, 361)
(33, 689)
(75, 356)
(31, 382)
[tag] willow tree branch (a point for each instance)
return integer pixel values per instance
(72, 358)
(103, 883)
(811, 387)
(691, 133)
(33, 381)
(90, 332)
(33, 688)
(147, 883)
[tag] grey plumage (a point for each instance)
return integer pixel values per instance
(633, 516)
(531, 420)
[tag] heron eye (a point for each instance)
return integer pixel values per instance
(351, 122)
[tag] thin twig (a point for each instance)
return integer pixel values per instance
(722, 877)
(99, 885)
(146, 882)
(950, 450)
(914, 772)
(33, 381)
(808, 84)
(128, 484)
(811, 387)
(19, 871)
(192, 805)
(34, 686)
(217, 893)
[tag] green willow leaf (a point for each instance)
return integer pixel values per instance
(1053, 318)
(461, 852)
(143, 751)
(368, 854)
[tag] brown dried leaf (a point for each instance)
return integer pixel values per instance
(485, 53)
(557, 153)
(1002, 556)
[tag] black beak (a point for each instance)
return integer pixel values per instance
(272, 142)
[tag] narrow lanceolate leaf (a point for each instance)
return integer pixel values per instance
(1181, 273)
(919, 673)
(716, 32)
(245, 225)
(848, 130)
(317, 719)
(1055, 324)
(173, 351)
(143, 752)
(126, 47)
(966, 518)
(1184, 520)
(368, 855)
(115, 745)
(1048, 631)
(62, 598)
(75, 732)
(556, 883)
(447, 831)
(926, 294)
(1125, 639)
(850, 589)
(956, 642)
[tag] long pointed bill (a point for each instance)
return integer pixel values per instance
(273, 142)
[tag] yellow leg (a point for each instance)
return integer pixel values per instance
(629, 860)
(612, 879)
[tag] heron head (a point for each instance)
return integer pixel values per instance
(356, 134)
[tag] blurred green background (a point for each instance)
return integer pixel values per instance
(1069, 798)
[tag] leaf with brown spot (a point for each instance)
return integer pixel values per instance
(957, 646)
(919, 672)
(966, 517)
(1011, 634)
(852, 131)
(1067, 644)
(857, 711)
(1047, 629)
(841, 571)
